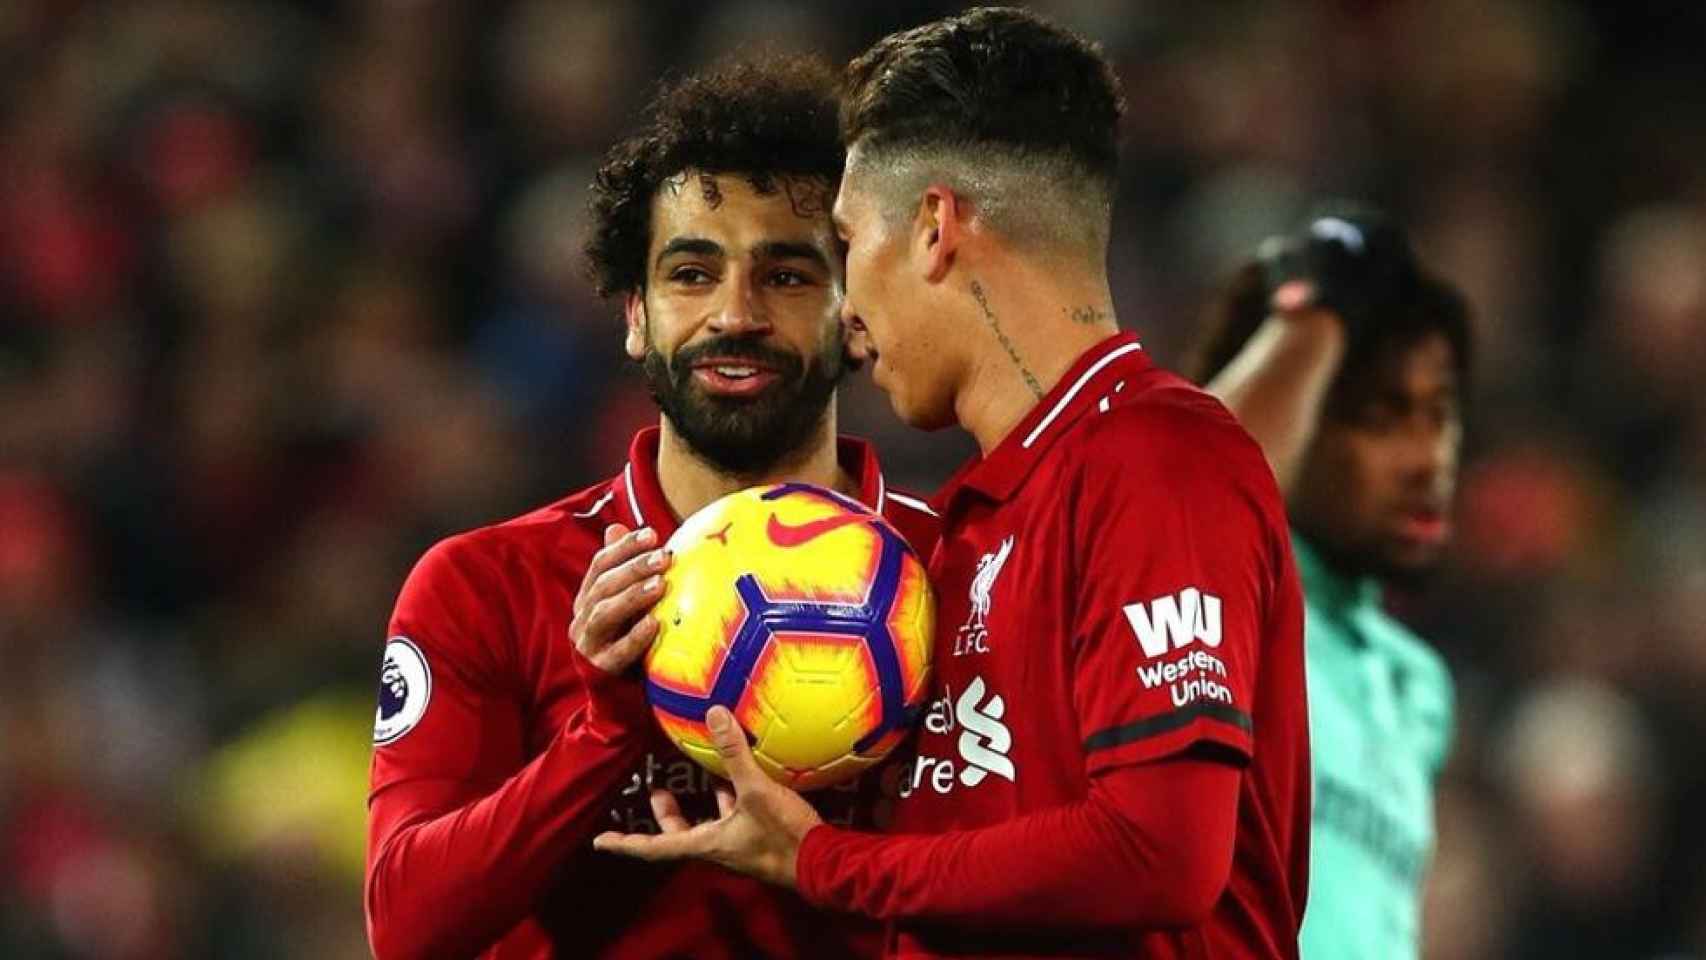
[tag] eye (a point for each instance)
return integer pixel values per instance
(691, 276)
(1375, 415)
(789, 278)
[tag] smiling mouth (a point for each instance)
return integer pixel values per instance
(734, 371)
(733, 378)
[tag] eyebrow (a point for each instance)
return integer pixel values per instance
(785, 250)
(770, 250)
(698, 245)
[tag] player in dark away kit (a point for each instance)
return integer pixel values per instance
(511, 726)
(1116, 763)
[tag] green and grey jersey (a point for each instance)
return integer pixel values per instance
(1380, 716)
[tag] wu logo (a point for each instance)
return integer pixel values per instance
(984, 739)
(1175, 620)
(973, 636)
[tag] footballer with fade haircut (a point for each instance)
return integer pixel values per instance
(1347, 360)
(1115, 762)
(512, 723)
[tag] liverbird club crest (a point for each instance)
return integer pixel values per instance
(973, 637)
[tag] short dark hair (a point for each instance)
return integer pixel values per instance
(760, 120)
(991, 77)
(994, 85)
(1428, 305)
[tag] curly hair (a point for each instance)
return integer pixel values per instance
(760, 120)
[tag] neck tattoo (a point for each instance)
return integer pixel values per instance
(1006, 344)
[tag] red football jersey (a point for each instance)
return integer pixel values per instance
(1115, 585)
(493, 768)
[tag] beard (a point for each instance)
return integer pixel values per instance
(746, 436)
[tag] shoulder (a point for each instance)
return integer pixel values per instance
(1427, 690)
(1164, 410)
(1418, 658)
(470, 596)
(571, 525)
(1162, 436)
(1317, 615)
(584, 513)
(565, 532)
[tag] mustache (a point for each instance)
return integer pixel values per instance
(789, 365)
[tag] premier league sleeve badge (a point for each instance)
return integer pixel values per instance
(405, 686)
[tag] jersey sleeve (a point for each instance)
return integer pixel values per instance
(443, 712)
(1179, 527)
(465, 830)
(1150, 846)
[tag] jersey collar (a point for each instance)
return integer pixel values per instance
(1329, 590)
(641, 497)
(1083, 387)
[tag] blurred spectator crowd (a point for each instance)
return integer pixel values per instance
(290, 290)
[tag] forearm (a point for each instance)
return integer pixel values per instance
(1276, 386)
(1151, 847)
(455, 882)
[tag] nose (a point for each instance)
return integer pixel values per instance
(739, 311)
(1430, 452)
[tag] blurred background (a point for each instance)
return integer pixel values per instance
(290, 290)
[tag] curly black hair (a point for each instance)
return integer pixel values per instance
(757, 119)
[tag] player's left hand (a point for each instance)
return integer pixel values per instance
(760, 827)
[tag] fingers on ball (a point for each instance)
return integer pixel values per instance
(632, 570)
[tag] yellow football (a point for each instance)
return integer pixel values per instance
(805, 614)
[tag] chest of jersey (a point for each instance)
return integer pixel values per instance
(1373, 793)
(998, 735)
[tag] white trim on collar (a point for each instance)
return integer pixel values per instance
(633, 501)
(592, 511)
(912, 502)
(1078, 385)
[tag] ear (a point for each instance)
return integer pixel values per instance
(634, 313)
(939, 230)
(855, 342)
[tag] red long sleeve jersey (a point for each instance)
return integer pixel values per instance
(494, 765)
(1115, 586)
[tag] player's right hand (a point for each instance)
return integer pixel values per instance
(761, 824)
(1354, 265)
(611, 626)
